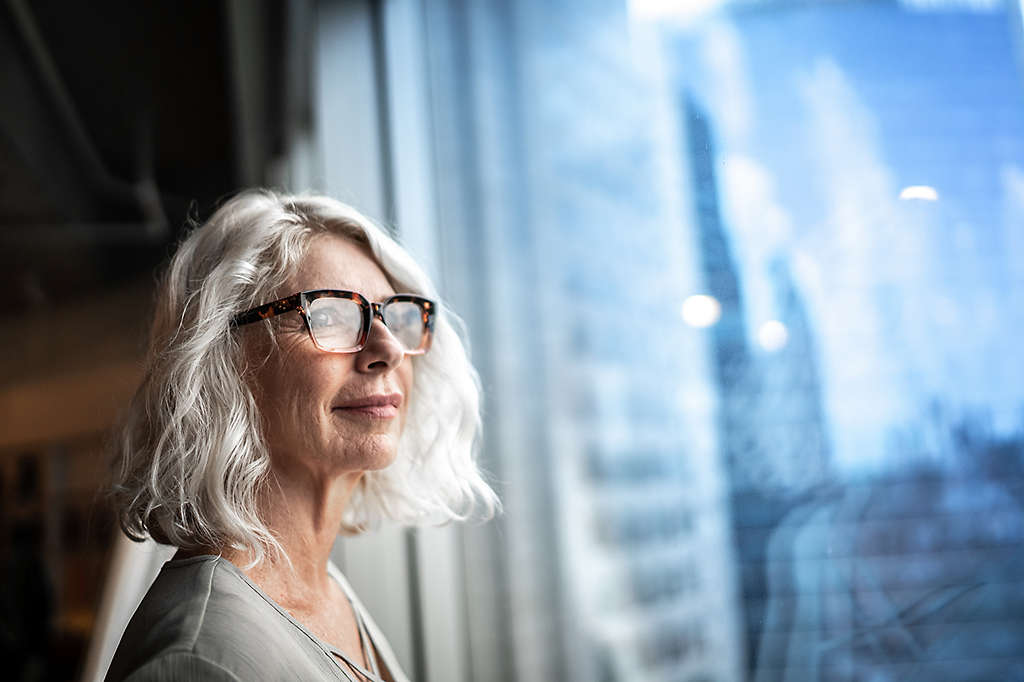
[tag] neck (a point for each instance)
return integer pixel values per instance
(304, 510)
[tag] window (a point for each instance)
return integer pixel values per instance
(745, 287)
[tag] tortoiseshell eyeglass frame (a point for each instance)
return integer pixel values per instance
(368, 310)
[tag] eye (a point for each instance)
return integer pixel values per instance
(327, 313)
(323, 316)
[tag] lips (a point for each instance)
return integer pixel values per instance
(381, 405)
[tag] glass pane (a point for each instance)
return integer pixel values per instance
(772, 424)
(405, 320)
(336, 322)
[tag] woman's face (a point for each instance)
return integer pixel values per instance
(322, 411)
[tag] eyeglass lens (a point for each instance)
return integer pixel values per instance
(336, 323)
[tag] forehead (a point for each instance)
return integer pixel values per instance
(336, 262)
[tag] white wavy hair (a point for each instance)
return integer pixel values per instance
(190, 459)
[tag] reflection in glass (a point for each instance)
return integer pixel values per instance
(813, 468)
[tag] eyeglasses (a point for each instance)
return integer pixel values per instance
(339, 321)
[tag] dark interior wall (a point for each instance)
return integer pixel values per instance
(118, 120)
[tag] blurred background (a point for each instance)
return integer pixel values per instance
(744, 280)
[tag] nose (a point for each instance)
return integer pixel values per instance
(382, 351)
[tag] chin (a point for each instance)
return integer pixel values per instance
(378, 455)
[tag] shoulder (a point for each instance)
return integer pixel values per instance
(181, 666)
(202, 615)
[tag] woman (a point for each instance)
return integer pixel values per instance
(301, 380)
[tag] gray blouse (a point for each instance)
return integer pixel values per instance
(203, 619)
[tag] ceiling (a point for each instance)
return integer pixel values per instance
(118, 120)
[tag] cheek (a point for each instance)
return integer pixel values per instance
(290, 392)
(282, 417)
(406, 376)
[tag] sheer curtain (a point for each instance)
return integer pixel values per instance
(558, 162)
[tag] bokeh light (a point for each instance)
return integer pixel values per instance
(701, 310)
(920, 192)
(772, 336)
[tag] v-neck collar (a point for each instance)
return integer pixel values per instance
(329, 650)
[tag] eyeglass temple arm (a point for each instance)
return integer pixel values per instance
(268, 310)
